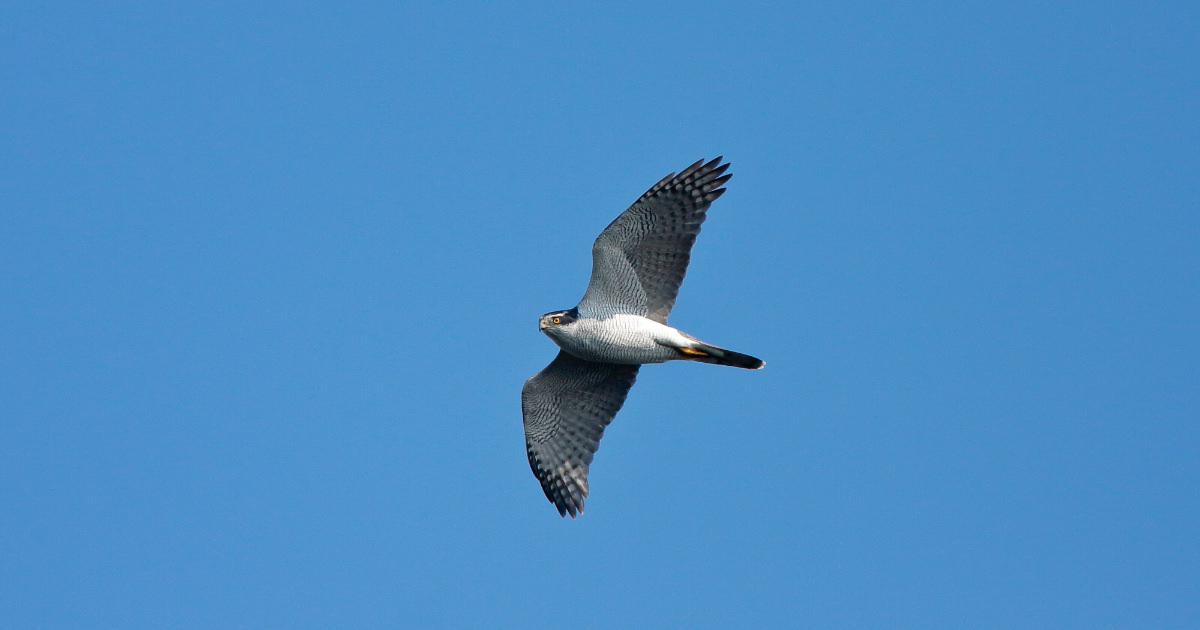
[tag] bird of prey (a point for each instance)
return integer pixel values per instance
(638, 263)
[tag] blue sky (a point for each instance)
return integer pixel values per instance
(270, 276)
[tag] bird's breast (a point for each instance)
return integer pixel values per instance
(618, 339)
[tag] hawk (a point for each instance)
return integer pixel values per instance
(638, 263)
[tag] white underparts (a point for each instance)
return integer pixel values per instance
(621, 339)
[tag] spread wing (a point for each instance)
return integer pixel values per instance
(639, 260)
(566, 407)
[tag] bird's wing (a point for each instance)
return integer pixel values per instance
(639, 260)
(566, 408)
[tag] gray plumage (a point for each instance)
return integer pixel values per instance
(639, 260)
(638, 263)
(566, 407)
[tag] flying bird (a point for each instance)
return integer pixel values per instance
(638, 263)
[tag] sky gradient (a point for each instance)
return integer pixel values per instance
(270, 278)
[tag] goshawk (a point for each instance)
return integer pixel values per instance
(638, 263)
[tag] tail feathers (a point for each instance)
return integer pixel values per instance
(711, 354)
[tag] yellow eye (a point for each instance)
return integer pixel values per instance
(556, 320)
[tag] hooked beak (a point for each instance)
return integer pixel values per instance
(541, 323)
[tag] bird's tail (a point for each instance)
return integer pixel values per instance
(700, 351)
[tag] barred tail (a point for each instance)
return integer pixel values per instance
(711, 354)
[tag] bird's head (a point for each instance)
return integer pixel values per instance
(557, 319)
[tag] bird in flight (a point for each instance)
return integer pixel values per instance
(638, 263)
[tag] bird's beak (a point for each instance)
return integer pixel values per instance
(541, 323)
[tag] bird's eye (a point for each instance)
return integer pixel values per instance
(557, 320)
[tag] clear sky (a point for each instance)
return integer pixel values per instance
(270, 278)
